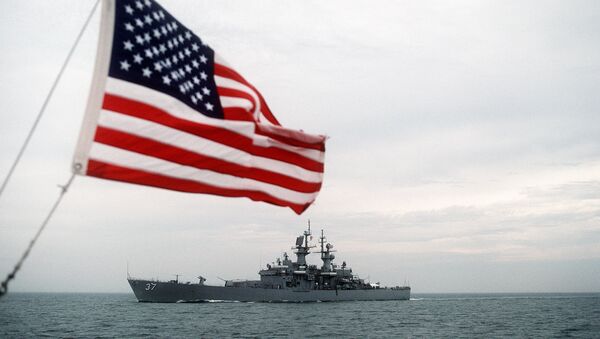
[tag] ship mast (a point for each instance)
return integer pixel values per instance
(326, 254)
(302, 247)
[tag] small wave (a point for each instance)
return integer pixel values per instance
(416, 299)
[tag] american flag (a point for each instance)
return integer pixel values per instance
(165, 110)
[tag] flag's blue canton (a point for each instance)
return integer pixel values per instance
(151, 48)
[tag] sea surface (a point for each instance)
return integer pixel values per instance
(27, 315)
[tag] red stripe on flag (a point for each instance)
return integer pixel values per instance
(237, 113)
(112, 172)
(227, 72)
(223, 136)
(294, 138)
(180, 156)
(230, 92)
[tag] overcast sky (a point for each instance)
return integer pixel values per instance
(464, 150)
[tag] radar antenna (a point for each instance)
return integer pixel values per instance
(201, 280)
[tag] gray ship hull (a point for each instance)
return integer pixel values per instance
(168, 292)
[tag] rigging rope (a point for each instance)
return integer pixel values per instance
(11, 275)
(41, 112)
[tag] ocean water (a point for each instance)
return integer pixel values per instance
(26, 315)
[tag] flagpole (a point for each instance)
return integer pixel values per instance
(43, 108)
(11, 275)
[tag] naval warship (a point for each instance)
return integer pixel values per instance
(282, 281)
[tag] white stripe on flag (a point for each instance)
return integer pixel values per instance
(180, 110)
(132, 160)
(202, 146)
(228, 102)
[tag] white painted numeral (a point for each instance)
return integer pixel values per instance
(150, 286)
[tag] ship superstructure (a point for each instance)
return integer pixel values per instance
(283, 280)
(300, 275)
